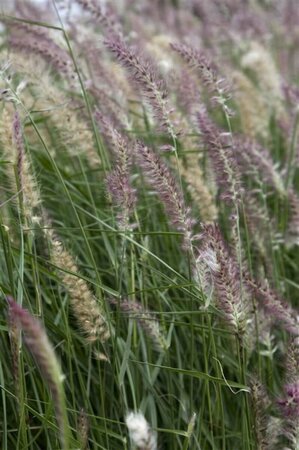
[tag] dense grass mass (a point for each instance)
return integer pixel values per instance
(149, 220)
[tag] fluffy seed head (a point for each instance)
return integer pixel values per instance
(140, 431)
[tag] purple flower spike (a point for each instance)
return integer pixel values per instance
(160, 178)
(208, 73)
(198, 60)
(123, 195)
(118, 181)
(144, 76)
(290, 403)
(37, 41)
(271, 302)
(225, 276)
(222, 158)
(41, 349)
(19, 143)
(102, 15)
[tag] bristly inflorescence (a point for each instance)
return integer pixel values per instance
(292, 380)
(103, 15)
(268, 428)
(118, 181)
(292, 235)
(221, 154)
(188, 92)
(38, 343)
(259, 60)
(271, 302)
(198, 189)
(26, 181)
(225, 276)
(208, 73)
(14, 337)
(83, 429)
(258, 224)
(252, 108)
(123, 195)
(288, 403)
(145, 77)
(198, 60)
(160, 178)
(146, 320)
(37, 41)
(260, 403)
(19, 143)
(256, 161)
(85, 307)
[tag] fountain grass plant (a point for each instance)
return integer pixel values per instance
(149, 224)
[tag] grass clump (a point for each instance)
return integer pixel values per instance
(149, 226)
